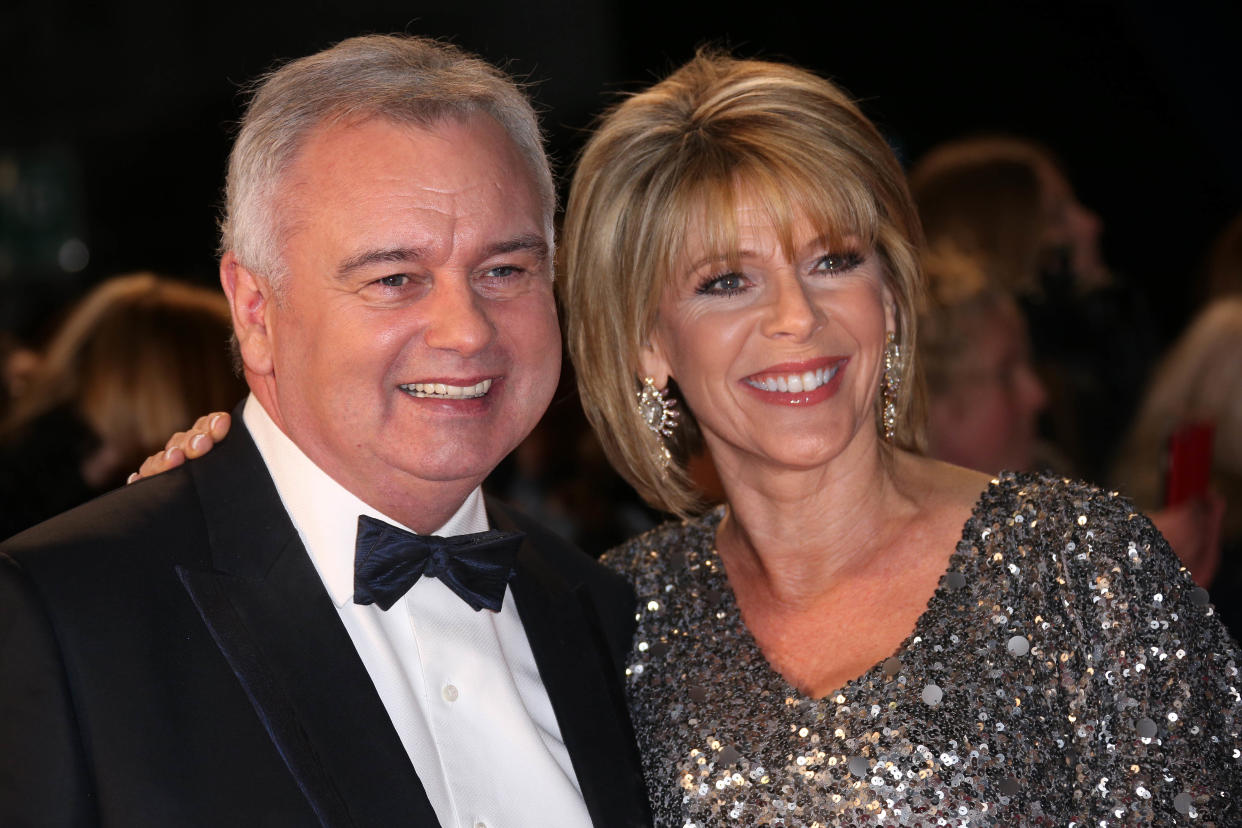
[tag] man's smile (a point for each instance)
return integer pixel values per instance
(447, 391)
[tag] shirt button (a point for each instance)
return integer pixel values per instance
(450, 695)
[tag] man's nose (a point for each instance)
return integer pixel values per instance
(457, 318)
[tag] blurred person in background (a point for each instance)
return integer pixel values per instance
(1007, 202)
(18, 362)
(1198, 381)
(1224, 265)
(131, 363)
(984, 397)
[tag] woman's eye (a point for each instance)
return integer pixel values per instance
(726, 283)
(838, 262)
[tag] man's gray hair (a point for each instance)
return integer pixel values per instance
(404, 79)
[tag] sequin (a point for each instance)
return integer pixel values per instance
(1051, 735)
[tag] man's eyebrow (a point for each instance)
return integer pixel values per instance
(527, 242)
(531, 243)
(391, 255)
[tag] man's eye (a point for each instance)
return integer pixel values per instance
(393, 281)
(725, 283)
(504, 272)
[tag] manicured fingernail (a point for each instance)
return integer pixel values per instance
(196, 442)
(215, 418)
(131, 478)
(168, 453)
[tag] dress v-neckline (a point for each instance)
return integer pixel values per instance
(952, 579)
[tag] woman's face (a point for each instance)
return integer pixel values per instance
(987, 420)
(780, 358)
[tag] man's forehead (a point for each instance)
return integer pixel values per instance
(449, 155)
(376, 184)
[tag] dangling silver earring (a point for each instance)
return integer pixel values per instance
(660, 413)
(890, 387)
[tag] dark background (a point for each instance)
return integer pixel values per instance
(116, 118)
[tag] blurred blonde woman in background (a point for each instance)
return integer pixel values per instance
(1008, 203)
(130, 364)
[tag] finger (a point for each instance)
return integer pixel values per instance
(178, 440)
(171, 458)
(219, 424)
(196, 445)
(200, 439)
(161, 462)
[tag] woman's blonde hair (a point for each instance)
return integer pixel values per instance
(680, 153)
(137, 359)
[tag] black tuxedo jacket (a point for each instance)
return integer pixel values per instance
(169, 657)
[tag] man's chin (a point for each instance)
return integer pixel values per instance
(460, 466)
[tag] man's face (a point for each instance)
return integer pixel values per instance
(414, 342)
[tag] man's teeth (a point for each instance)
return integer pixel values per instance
(439, 389)
(796, 383)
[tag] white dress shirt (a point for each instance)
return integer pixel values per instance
(460, 686)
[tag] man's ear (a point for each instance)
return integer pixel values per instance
(250, 300)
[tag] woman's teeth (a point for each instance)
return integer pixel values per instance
(796, 383)
(439, 389)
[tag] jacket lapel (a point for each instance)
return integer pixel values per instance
(273, 621)
(566, 636)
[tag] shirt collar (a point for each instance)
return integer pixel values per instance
(324, 512)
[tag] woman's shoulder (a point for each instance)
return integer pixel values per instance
(946, 487)
(1071, 518)
(1047, 505)
(1090, 589)
(670, 544)
(1107, 556)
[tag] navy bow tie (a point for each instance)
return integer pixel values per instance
(388, 561)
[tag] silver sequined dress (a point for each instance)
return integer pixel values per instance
(1066, 672)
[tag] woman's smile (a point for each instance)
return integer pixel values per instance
(804, 383)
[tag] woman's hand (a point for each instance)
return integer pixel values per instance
(186, 445)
